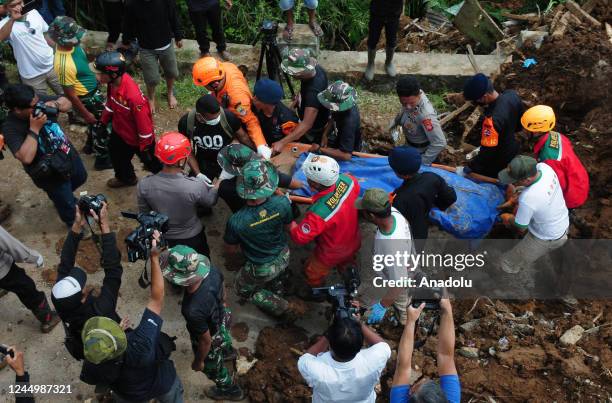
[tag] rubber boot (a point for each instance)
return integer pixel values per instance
(389, 66)
(369, 72)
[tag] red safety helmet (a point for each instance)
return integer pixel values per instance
(172, 147)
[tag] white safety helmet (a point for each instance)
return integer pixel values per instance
(321, 169)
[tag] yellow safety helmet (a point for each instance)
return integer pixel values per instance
(539, 119)
(207, 70)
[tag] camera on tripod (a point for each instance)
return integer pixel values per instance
(139, 241)
(269, 29)
(341, 296)
(94, 203)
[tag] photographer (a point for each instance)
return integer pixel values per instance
(35, 139)
(172, 193)
(135, 364)
(133, 131)
(71, 296)
(338, 370)
(449, 388)
(13, 278)
(208, 318)
(392, 236)
(21, 375)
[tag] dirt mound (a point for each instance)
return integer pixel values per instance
(275, 377)
(520, 357)
(573, 76)
(422, 35)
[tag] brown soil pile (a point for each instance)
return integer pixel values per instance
(534, 367)
(275, 377)
(573, 76)
(420, 35)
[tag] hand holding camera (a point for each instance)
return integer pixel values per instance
(14, 359)
(37, 121)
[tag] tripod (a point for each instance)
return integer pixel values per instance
(269, 50)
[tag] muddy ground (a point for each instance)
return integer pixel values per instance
(515, 351)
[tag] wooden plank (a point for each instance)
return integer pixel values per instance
(556, 18)
(474, 22)
(589, 6)
(522, 17)
(472, 60)
(561, 26)
(582, 15)
(446, 119)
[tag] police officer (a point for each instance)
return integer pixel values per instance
(227, 83)
(132, 128)
(419, 120)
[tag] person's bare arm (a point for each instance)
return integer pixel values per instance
(406, 346)
(446, 340)
(232, 249)
(320, 346)
(369, 335)
(156, 300)
(193, 164)
(336, 153)
(243, 137)
(49, 41)
(204, 344)
(310, 114)
(5, 31)
(27, 151)
(71, 95)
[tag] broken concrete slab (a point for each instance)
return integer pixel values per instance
(474, 22)
(572, 336)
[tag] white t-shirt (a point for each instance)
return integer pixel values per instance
(352, 381)
(398, 240)
(33, 54)
(542, 207)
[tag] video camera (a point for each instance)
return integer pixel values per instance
(341, 296)
(94, 203)
(42, 108)
(4, 350)
(269, 29)
(139, 241)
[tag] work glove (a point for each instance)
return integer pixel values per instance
(204, 179)
(264, 151)
(40, 261)
(225, 175)
(377, 313)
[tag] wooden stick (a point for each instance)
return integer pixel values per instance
(446, 119)
(301, 199)
(472, 60)
(575, 9)
(561, 26)
(522, 17)
(556, 18)
(470, 122)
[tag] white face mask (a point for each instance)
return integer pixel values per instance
(213, 122)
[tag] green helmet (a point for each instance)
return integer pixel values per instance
(65, 31)
(103, 340)
(234, 156)
(338, 97)
(259, 179)
(184, 266)
(298, 61)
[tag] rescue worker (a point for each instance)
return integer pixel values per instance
(419, 120)
(210, 128)
(79, 82)
(132, 128)
(172, 193)
(227, 83)
(313, 116)
(331, 221)
(275, 118)
(556, 150)
(502, 114)
(258, 229)
(345, 136)
(208, 317)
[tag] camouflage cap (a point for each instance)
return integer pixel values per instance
(234, 156)
(298, 61)
(338, 97)
(259, 179)
(103, 340)
(65, 31)
(374, 200)
(184, 266)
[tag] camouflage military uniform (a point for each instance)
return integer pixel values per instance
(338, 97)
(259, 230)
(422, 129)
(220, 345)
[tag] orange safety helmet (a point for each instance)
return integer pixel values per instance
(172, 147)
(539, 119)
(207, 70)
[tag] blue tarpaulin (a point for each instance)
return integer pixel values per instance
(471, 217)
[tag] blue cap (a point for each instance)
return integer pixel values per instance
(476, 87)
(268, 91)
(405, 160)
